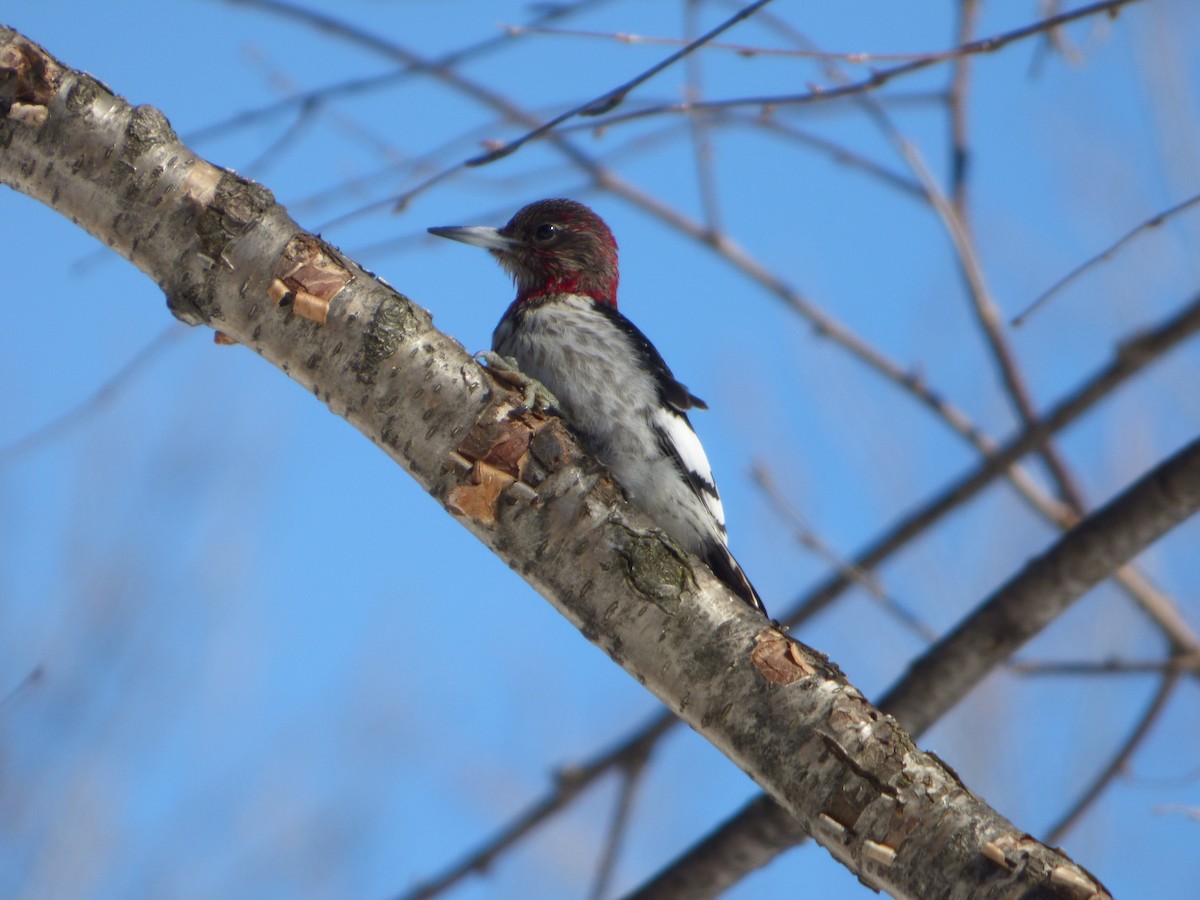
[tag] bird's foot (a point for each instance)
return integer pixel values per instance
(535, 394)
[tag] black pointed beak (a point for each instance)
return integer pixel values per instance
(477, 236)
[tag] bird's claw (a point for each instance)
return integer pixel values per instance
(535, 394)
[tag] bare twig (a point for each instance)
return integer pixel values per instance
(611, 99)
(109, 391)
(304, 118)
(698, 126)
(1130, 358)
(840, 154)
(1056, 41)
(1108, 667)
(952, 212)
(807, 537)
(1161, 609)
(955, 214)
(956, 103)
(32, 679)
(744, 842)
(1106, 254)
(571, 782)
(988, 316)
(877, 79)
(973, 272)
(1120, 759)
(328, 25)
(747, 51)
(631, 770)
(1192, 812)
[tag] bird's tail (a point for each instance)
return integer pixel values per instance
(726, 568)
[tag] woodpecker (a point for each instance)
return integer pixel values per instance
(609, 382)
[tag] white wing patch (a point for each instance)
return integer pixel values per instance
(680, 441)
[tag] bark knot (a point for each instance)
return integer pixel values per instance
(29, 80)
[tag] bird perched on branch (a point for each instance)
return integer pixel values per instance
(607, 380)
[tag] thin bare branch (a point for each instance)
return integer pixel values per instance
(304, 118)
(1131, 357)
(746, 841)
(329, 25)
(956, 103)
(1192, 812)
(954, 213)
(1108, 667)
(570, 783)
(1161, 609)
(109, 391)
(748, 51)
(1056, 41)
(1106, 254)
(632, 771)
(32, 679)
(842, 155)
(611, 99)
(877, 79)
(1120, 759)
(698, 128)
(807, 537)
(969, 265)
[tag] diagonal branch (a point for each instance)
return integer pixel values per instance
(631, 775)
(746, 843)
(110, 390)
(571, 782)
(1155, 221)
(330, 25)
(1087, 554)
(1166, 689)
(879, 78)
(1015, 613)
(1131, 357)
(609, 100)
(952, 211)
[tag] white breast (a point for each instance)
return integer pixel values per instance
(614, 402)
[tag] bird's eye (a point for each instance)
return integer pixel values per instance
(545, 232)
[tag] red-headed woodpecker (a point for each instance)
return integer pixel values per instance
(609, 382)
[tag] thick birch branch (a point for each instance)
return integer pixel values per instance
(227, 256)
(1018, 610)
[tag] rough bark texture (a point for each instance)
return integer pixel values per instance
(227, 256)
(995, 630)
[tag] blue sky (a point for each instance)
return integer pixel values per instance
(232, 599)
